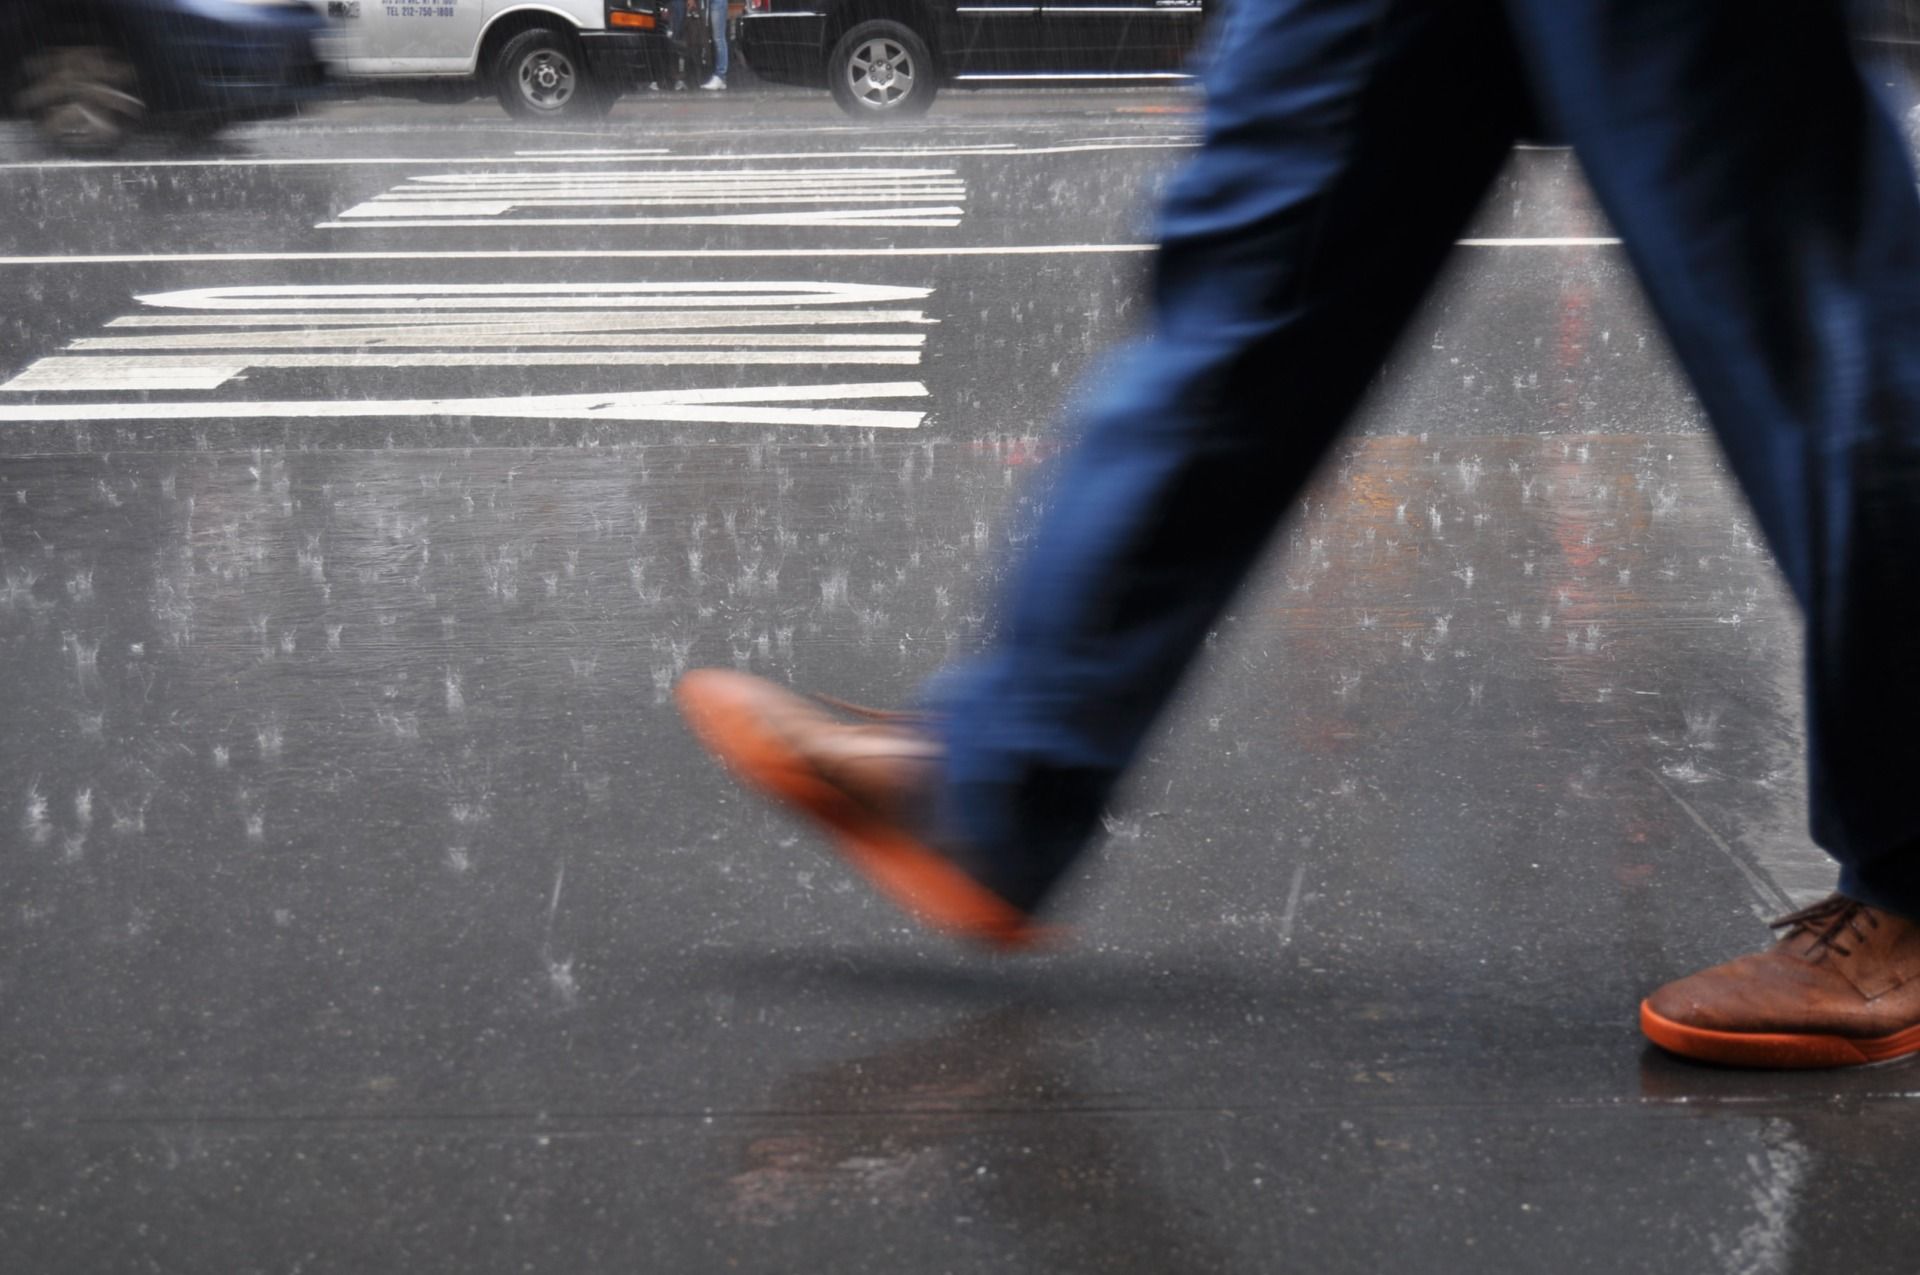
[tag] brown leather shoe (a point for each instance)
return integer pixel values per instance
(868, 783)
(1840, 988)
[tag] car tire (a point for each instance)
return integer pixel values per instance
(81, 97)
(881, 70)
(541, 75)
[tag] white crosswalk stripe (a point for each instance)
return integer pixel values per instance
(207, 339)
(719, 407)
(517, 296)
(826, 196)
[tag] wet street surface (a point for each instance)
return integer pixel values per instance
(366, 482)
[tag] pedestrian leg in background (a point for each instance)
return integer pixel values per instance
(676, 60)
(1768, 203)
(677, 40)
(1343, 153)
(717, 20)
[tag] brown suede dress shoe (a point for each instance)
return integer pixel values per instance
(1840, 988)
(868, 783)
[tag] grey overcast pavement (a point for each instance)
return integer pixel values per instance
(366, 481)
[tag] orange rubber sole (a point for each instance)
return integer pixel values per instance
(919, 880)
(1774, 1050)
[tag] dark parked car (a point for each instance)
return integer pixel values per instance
(88, 72)
(888, 57)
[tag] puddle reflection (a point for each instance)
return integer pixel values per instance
(992, 1123)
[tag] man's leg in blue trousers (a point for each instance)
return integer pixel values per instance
(1344, 150)
(1769, 206)
(1770, 210)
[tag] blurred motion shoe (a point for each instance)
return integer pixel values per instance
(869, 783)
(1841, 987)
(713, 83)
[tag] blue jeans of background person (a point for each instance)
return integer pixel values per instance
(677, 32)
(717, 16)
(1768, 205)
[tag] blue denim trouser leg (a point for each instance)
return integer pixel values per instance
(1768, 203)
(1346, 144)
(676, 33)
(717, 15)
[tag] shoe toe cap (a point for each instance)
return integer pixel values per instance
(1761, 992)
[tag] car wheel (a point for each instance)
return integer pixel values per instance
(82, 97)
(881, 69)
(540, 75)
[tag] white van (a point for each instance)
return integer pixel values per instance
(543, 58)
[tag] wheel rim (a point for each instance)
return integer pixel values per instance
(546, 79)
(880, 73)
(83, 96)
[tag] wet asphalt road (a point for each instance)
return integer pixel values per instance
(364, 484)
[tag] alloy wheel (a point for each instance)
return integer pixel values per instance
(880, 73)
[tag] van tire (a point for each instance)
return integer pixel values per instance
(541, 75)
(869, 64)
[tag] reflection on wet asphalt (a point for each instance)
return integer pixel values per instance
(364, 906)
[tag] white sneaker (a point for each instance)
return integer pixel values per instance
(714, 82)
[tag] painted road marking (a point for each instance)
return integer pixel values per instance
(703, 406)
(517, 296)
(205, 339)
(876, 196)
(580, 324)
(155, 372)
(465, 335)
(601, 181)
(935, 217)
